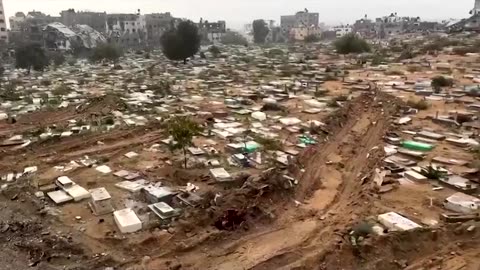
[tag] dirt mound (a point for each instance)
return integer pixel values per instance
(255, 202)
(102, 105)
(420, 249)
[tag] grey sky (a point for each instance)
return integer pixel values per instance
(239, 12)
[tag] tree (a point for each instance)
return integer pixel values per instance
(312, 38)
(260, 31)
(107, 52)
(439, 81)
(57, 58)
(31, 56)
(234, 38)
(181, 42)
(351, 43)
(182, 129)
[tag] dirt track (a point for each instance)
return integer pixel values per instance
(300, 236)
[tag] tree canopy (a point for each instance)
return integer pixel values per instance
(31, 56)
(181, 42)
(107, 52)
(351, 43)
(234, 38)
(260, 31)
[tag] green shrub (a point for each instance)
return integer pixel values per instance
(351, 43)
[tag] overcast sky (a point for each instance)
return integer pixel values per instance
(240, 12)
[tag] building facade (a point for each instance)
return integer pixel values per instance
(342, 30)
(300, 33)
(212, 31)
(157, 24)
(302, 21)
(96, 20)
(3, 25)
(127, 30)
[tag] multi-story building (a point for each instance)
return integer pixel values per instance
(157, 24)
(365, 27)
(302, 19)
(127, 30)
(469, 24)
(96, 20)
(476, 8)
(342, 30)
(3, 25)
(212, 31)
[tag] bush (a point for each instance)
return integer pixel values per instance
(464, 50)
(438, 44)
(406, 54)
(394, 72)
(439, 81)
(214, 50)
(268, 144)
(107, 52)
(419, 105)
(413, 69)
(272, 53)
(431, 173)
(378, 60)
(61, 90)
(351, 43)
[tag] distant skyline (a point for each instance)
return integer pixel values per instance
(240, 12)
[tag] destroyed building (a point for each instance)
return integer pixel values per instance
(302, 19)
(59, 37)
(365, 27)
(391, 25)
(212, 31)
(127, 30)
(342, 30)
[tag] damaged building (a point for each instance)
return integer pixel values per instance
(299, 25)
(57, 36)
(29, 28)
(212, 31)
(127, 30)
(391, 25)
